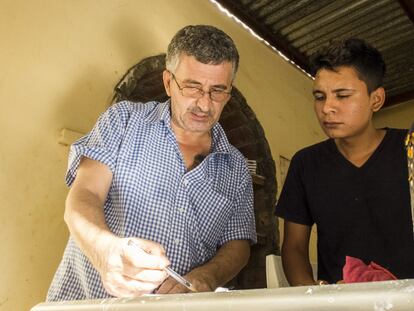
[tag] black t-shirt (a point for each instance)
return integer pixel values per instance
(360, 212)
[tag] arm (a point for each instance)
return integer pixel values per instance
(224, 266)
(124, 270)
(295, 254)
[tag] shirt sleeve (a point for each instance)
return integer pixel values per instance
(293, 203)
(242, 224)
(102, 143)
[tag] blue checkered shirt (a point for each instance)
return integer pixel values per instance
(153, 196)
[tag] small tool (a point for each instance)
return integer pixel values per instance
(180, 279)
(170, 271)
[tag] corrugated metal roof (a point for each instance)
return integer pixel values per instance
(298, 27)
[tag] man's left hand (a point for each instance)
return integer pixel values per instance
(201, 280)
(230, 258)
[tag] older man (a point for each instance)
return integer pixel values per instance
(164, 176)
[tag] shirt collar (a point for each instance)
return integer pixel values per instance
(220, 141)
(160, 114)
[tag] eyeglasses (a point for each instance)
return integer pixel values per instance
(197, 93)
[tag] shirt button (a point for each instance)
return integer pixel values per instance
(177, 241)
(181, 210)
(185, 181)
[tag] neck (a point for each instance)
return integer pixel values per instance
(196, 141)
(191, 138)
(193, 145)
(359, 148)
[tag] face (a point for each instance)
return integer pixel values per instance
(343, 105)
(194, 115)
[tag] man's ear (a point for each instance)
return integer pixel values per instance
(377, 99)
(166, 78)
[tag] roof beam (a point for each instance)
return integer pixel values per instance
(283, 45)
(274, 39)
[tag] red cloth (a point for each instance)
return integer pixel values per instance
(355, 270)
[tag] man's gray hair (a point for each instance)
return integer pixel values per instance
(208, 44)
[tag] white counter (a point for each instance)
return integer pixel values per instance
(377, 296)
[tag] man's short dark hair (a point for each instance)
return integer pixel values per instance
(208, 44)
(355, 53)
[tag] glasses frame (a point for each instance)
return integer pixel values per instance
(201, 92)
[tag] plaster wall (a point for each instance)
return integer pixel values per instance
(398, 116)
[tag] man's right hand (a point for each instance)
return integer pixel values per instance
(131, 269)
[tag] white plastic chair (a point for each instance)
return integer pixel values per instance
(275, 276)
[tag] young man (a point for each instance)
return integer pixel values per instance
(134, 178)
(353, 186)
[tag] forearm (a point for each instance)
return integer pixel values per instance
(297, 267)
(227, 263)
(85, 219)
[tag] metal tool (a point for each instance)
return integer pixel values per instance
(170, 271)
(180, 279)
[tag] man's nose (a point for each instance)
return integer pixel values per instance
(329, 106)
(204, 102)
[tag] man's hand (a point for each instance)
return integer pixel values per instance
(131, 270)
(201, 280)
(229, 260)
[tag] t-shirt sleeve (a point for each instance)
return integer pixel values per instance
(102, 143)
(293, 203)
(242, 224)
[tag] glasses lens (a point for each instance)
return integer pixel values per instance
(218, 96)
(192, 92)
(195, 92)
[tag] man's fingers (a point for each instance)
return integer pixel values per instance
(166, 286)
(122, 286)
(170, 286)
(149, 246)
(145, 275)
(130, 271)
(138, 286)
(146, 254)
